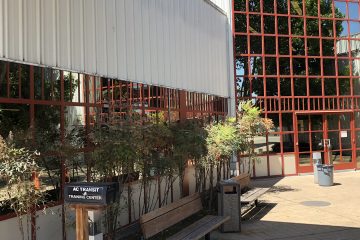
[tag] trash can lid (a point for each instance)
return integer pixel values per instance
(328, 166)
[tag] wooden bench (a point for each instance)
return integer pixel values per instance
(249, 196)
(160, 219)
(252, 195)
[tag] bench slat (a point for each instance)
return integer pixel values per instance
(167, 208)
(162, 219)
(243, 179)
(252, 195)
(200, 228)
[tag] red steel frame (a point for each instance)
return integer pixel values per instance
(298, 104)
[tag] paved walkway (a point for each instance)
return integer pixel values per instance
(286, 213)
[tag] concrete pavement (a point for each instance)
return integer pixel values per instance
(296, 208)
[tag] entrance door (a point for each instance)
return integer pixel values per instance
(315, 131)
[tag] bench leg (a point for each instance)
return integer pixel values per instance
(256, 202)
(207, 236)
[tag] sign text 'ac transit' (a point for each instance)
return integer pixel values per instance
(90, 193)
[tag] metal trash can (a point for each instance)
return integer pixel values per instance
(325, 175)
(229, 205)
(316, 160)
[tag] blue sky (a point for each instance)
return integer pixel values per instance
(353, 14)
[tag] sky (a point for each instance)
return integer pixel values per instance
(353, 14)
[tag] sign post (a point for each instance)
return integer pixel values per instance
(88, 196)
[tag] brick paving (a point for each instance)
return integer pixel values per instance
(283, 215)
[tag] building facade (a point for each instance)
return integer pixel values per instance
(67, 65)
(299, 61)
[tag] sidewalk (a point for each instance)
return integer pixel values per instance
(298, 209)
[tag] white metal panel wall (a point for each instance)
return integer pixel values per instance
(222, 4)
(172, 43)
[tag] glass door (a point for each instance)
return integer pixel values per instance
(329, 134)
(310, 137)
(339, 132)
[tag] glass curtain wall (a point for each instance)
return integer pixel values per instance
(43, 109)
(297, 56)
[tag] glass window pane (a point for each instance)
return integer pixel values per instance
(345, 121)
(300, 87)
(241, 45)
(3, 80)
(14, 80)
(334, 140)
(285, 86)
(345, 141)
(240, 5)
(14, 118)
(311, 8)
(356, 86)
(270, 47)
(315, 87)
(344, 86)
(313, 45)
(346, 156)
(283, 25)
(269, 26)
(303, 123)
(258, 86)
(255, 45)
(316, 122)
(275, 118)
(299, 67)
(240, 23)
(333, 121)
(282, 6)
(268, 6)
(304, 142)
(270, 66)
(47, 124)
(297, 26)
(254, 6)
(343, 67)
(243, 87)
(260, 145)
(353, 10)
(330, 86)
(316, 141)
(25, 81)
(288, 142)
(283, 45)
(358, 139)
(274, 144)
(287, 122)
(296, 7)
(329, 67)
(357, 119)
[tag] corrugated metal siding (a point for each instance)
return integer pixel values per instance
(342, 46)
(172, 43)
(222, 4)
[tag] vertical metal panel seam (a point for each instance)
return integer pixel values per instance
(105, 42)
(83, 33)
(95, 30)
(1, 28)
(116, 40)
(6, 33)
(42, 46)
(82, 57)
(106, 38)
(23, 29)
(55, 32)
(57, 46)
(38, 31)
